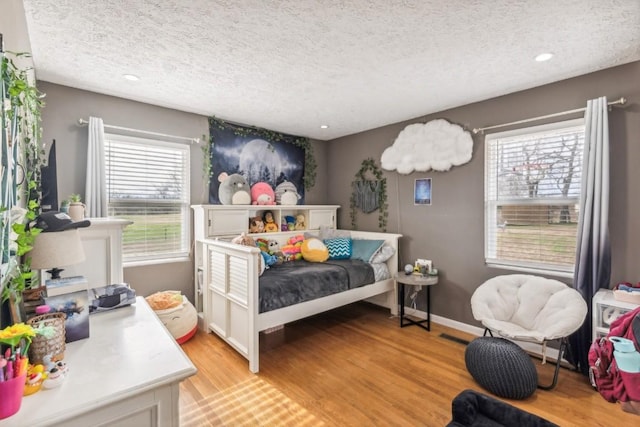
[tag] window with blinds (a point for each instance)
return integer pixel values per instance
(148, 183)
(532, 194)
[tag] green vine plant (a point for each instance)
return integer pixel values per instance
(298, 141)
(21, 178)
(206, 163)
(370, 165)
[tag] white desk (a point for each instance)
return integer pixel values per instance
(126, 373)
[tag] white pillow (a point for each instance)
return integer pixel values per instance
(380, 271)
(383, 254)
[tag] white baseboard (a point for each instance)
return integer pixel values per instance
(531, 348)
(201, 325)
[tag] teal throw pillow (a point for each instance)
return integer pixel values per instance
(365, 249)
(339, 247)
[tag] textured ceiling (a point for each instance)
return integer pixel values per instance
(292, 66)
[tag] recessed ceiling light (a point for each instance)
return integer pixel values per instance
(324, 126)
(544, 57)
(131, 77)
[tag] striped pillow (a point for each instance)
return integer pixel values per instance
(339, 247)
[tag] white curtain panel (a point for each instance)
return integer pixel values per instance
(593, 251)
(96, 190)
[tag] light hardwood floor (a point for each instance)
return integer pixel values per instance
(354, 366)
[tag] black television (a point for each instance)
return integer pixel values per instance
(49, 182)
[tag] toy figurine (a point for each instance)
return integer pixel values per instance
(256, 225)
(269, 222)
(54, 379)
(300, 222)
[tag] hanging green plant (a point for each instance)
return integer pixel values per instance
(22, 159)
(206, 158)
(369, 195)
(298, 141)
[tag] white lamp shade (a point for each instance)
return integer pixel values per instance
(56, 249)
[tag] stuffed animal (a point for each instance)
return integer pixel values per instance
(245, 240)
(233, 190)
(262, 244)
(269, 259)
(256, 225)
(287, 194)
(314, 250)
(262, 194)
(291, 222)
(274, 249)
(300, 222)
(283, 225)
(177, 314)
(293, 249)
(270, 225)
(273, 246)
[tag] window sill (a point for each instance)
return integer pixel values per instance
(143, 263)
(531, 270)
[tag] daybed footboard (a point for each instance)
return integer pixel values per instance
(231, 303)
(231, 290)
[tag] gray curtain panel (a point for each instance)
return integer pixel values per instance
(593, 250)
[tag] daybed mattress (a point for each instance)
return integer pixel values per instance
(294, 282)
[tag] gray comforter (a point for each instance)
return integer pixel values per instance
(298, 281)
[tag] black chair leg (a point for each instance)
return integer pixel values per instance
(485, 332)
(554, 382)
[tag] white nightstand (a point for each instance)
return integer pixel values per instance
(605, 310)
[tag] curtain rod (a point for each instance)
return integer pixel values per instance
(82, 122)
(476, 131)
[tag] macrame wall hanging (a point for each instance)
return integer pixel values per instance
(369, 195)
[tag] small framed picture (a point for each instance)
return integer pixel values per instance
(422, 192)
(422, 266)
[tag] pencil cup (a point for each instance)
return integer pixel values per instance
(11, 395)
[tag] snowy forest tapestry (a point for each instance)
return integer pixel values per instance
(256, 154)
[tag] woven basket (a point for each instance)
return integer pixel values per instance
(42, 346)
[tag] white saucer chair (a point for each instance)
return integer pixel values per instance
(529, 308)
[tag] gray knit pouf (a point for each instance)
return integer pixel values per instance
(501, 367)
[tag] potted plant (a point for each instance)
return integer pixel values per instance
(64, 206)
(76, 207)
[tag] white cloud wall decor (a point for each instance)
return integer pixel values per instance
(436, 145)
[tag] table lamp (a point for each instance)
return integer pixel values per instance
(53, 250)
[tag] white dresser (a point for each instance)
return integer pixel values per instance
(126, 374)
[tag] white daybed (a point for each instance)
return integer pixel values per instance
(231, 302)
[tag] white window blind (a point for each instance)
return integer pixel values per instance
(148, 183)
(532, 193)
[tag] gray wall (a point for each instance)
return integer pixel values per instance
(450, 231)
(65, 105)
